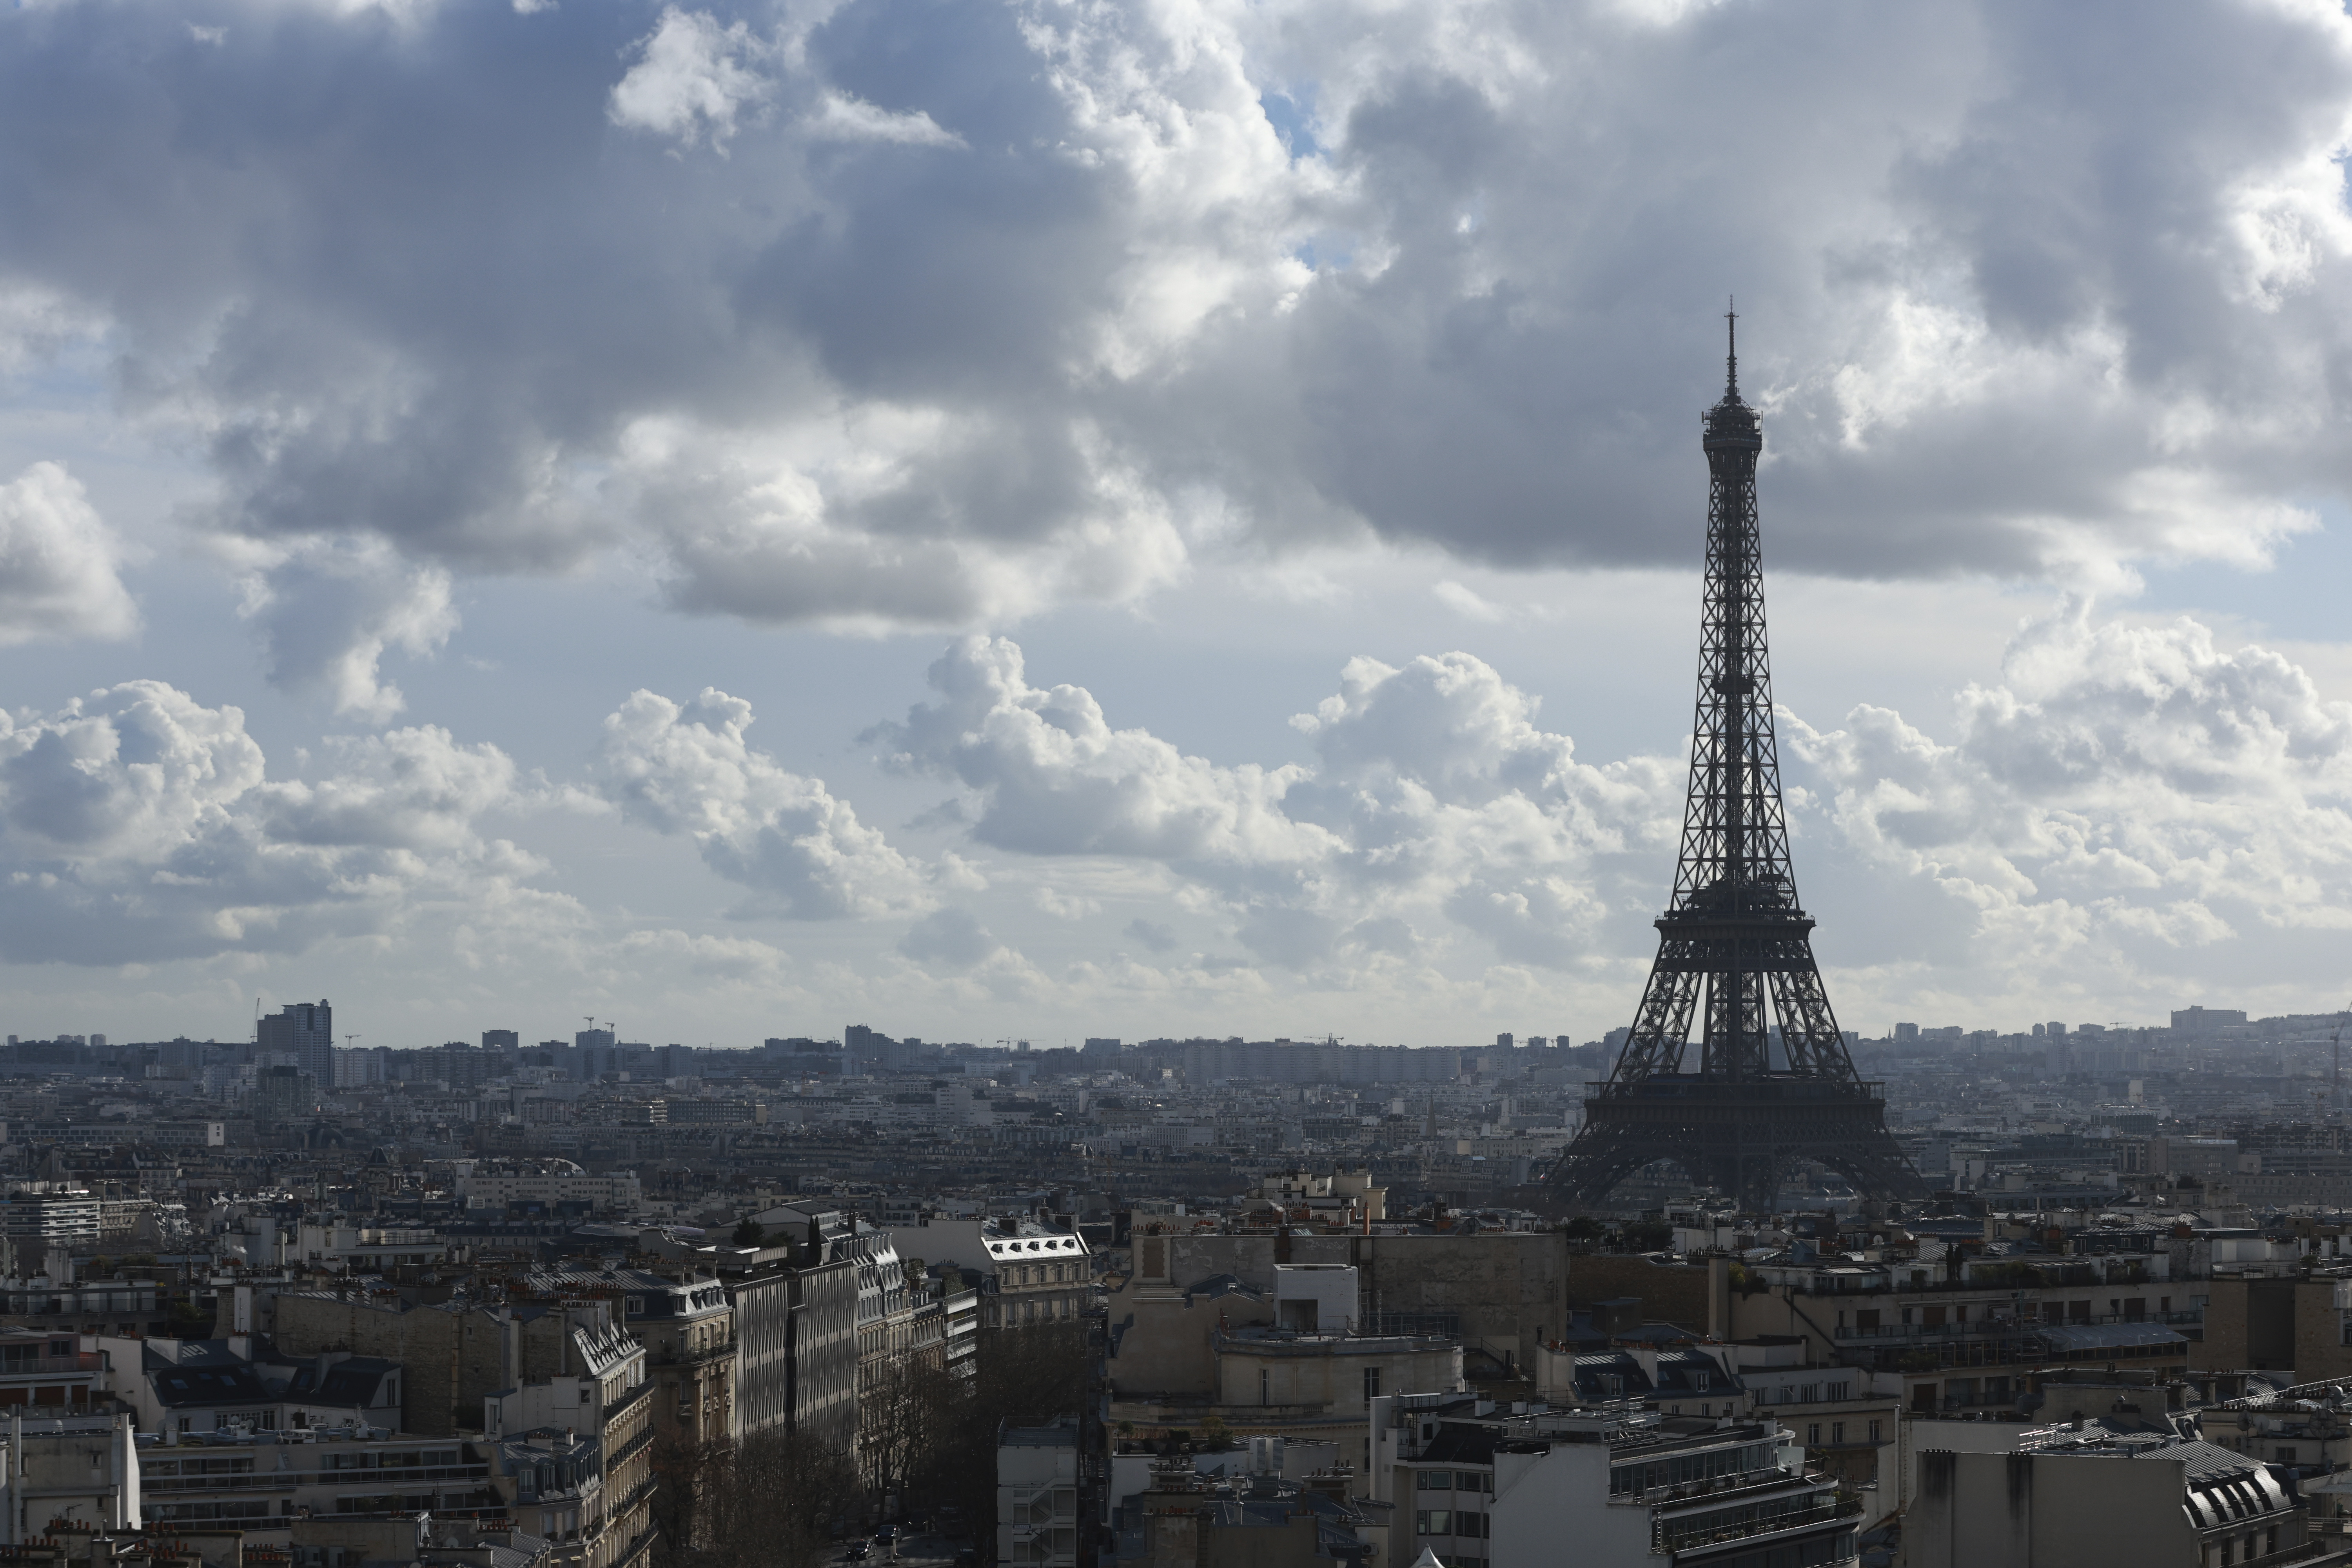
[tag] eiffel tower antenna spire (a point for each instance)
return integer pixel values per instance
(1734, 943)
(1731, 355)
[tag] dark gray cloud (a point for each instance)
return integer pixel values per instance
(938, 313)
(948, 938)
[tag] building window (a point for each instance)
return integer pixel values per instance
(1265, 1386)
(1434, 1481)
(1433, 1521)
(1371, 1383)
(1873, 1431)
(1837, 1432)
(1813, 1435)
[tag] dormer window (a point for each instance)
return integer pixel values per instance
(1700, 1381)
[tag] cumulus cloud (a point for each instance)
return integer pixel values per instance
(689, 770)
(994, 307)
(330, 609)
(2127, 805)
(58, 561)
(693, 76)
(137, 824)
(2125, 795)
(1435, 796)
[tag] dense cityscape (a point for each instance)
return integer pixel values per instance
(560, 1299)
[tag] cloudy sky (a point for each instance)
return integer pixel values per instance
(1039, 518)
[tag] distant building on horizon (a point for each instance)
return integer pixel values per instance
(304, 1031)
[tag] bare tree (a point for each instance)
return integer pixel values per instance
(1023, 1377)
(909, 1412)
(767, 1502)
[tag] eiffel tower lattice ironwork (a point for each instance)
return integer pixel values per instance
(1733, 937)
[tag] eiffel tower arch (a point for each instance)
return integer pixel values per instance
(1751, 1099)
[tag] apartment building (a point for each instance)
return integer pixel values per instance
(796, 1341)
(1969, 1346)
(1030, 1272)
(558, 1183)
(609, 1402)
(260, 1481)
(2056, 1497)
(48, 1373)
(687, 1327)
(1037, 1496)
(81, 1469)
(1484, 1488)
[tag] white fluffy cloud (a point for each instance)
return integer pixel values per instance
(1437, 803)
(689, 770)
(883, 313)
(137, 824)
(693, 76)
(2133, 814)
(58, 561)
(2129, 804)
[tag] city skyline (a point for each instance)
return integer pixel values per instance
(1026, 544)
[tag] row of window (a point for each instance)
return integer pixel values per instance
(1818, 1553)
(1468, 1523)
(1837, 1432)
(413, 1458)
(1676, 1469)
(1455, 1480)
(2130, 1308)
(2256, 1544)
(1037, 1273)
(1806, 1392)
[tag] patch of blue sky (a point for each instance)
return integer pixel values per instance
(2301, 596)
(1333, 250)
(1292, 115)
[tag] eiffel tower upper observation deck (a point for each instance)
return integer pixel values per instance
(1757, 1099)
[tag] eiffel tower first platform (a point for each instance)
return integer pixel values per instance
(1757, 1099)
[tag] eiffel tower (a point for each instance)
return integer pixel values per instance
(1760, 1098)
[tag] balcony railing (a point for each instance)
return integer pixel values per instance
(1996, 1328)
(1666, 1536)
(1712, 1488)
(25, 1366)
